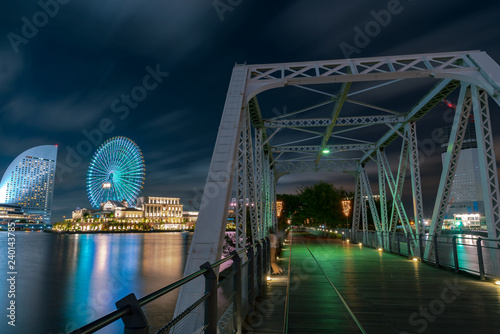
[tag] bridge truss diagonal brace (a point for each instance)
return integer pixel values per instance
(487, 164)
(451, 65)
(241, 188)
(245, 187)
(259, 182)
(335, 114)
(356, 212)
(272, 185)
(403, 161)
(252, 185)
(364, 209)
(211, 225)
(464, 105)
(382, 193)
(398, 209)
(369, 196)
(418, 209)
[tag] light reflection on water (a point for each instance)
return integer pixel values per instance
(66, 281)
(467, 253)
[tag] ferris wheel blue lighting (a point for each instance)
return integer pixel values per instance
(116, 172)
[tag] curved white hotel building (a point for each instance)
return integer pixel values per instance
(29, 182)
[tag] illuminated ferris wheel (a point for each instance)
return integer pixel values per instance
(116, 172)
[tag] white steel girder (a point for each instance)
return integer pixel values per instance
(331, 148)
(383, 202)
(488, 172)
(334, 115)
(340, 121)
(272, 184)
(268, 188)
(364, 210)
(208, 238)
(473, 67)
(382, 193)
(356, 212)
(397, 205)
(369, 196)
(241, 188)
(250, 180)
(400, 211)
(259, 181)
(340, 165)
(418, 210)
(464, 105)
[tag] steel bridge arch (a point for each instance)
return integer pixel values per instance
(252, 163)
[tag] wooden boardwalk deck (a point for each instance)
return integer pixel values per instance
(385, 292)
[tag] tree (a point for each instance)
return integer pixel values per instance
(319, 204)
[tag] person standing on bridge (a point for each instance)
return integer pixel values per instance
(273, 241)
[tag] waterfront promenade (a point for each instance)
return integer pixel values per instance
(337, 287)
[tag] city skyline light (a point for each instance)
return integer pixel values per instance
(158, 72)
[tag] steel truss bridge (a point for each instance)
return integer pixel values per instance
(358, 112)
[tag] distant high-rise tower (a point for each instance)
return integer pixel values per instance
(29, 182)
(466, 192)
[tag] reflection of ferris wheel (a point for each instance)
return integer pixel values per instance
(116, 172)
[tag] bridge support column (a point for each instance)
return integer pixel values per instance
(209, 233)
(396, 188)
(365, 184)
(488, 170)
(259, 192)
(415, 184)
(450, 163)
(383, 197)
(356, 212)
(397, 205)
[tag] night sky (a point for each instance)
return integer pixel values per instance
(70, 76)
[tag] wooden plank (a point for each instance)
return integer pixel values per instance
(387, 293)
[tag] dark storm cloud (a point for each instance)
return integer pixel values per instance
(65, 78)
(10, 68)
(12, 146)
(172, 29)
(66, 115)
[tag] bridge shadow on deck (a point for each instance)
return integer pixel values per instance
(385, 292)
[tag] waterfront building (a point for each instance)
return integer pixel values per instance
(28, 182)
(466, 198)
(12, 213)
(157, 213)
(190, 217)
(161, 209)
(79, 213)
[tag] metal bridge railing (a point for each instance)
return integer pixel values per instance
(222, 307)
(478, 256)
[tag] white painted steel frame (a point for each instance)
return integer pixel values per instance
(464, 105)
(208, 238)
(487, 161)
(418, 209)
(356, 212)
(383, 197)
(472, 67)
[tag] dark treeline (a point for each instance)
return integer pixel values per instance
(321, 204)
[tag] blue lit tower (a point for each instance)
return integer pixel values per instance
(29, 182)
(116, 172)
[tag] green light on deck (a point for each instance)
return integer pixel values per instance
(326, 151)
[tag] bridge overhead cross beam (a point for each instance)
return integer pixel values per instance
(330, 148)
